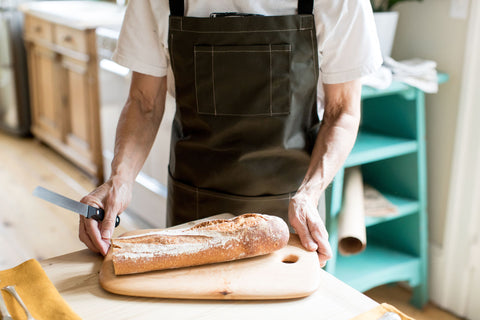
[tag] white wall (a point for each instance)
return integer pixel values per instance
(453, 144)
(426, 30)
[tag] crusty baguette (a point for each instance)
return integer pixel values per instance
(212, 241)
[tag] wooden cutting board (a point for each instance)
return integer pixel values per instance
(291, 272)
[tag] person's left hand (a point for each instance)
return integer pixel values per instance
(305, 219)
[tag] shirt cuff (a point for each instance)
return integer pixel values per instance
(352, 74)
(136, 66)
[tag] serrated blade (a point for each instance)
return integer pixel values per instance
(59, 200)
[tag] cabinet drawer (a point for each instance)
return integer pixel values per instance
(36, 28)
(71, 39)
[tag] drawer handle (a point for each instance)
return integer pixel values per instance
(38, 29)
(67, 38)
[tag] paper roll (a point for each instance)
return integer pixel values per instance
(352, 237)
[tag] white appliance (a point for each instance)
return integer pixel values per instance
(150, 191)
(14, 99)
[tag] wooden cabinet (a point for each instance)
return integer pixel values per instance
(45, 112)
(64, 91)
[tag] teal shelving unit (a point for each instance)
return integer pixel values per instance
(391, 151)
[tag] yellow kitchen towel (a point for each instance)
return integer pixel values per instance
(37, 292)
(379, 311)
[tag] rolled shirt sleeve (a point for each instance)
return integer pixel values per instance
(140, 46)
(347, 40)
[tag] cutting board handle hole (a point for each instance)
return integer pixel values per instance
(290, 259)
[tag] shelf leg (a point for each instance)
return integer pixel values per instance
(333, 201)
(420, 295)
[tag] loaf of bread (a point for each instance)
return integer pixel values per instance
(212, 241)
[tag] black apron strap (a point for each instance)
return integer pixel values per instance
(305, 6)
(177, 7)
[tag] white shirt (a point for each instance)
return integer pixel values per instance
(348, 46)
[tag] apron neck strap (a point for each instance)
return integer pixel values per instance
(305, 6)
(177, 7)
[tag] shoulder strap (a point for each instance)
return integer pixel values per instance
(177, 7)
(305, 6)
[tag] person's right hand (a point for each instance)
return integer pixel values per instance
(113, 197)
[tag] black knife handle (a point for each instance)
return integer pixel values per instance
(98, 214)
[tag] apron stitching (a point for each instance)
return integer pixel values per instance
(171, 48)
(196, 203)
(270, 57)
(218, 195)
(253, 198)
(195, 71)
(244, 115)
(315, 67)
(247, 51)
(213, 85)
(243, 31)
(304, 23)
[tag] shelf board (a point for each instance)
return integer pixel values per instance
(395, 88)
(375, 266)
(371, 147)
(404, 206)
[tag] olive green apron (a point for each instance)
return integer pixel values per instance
(246, 114)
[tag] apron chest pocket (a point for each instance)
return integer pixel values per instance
(242, 80)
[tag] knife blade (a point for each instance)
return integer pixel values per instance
(72, 205)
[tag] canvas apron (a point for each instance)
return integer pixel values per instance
(246, 115)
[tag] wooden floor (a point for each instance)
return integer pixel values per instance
(399, 297)
(33, 228)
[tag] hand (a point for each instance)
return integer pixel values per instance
(305, 219)
(113, 196)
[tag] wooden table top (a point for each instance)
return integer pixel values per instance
(75, 276)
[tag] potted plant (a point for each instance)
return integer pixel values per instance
(386, 22)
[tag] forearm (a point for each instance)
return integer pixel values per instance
(136, 132)
(137, 128)
(335, 139)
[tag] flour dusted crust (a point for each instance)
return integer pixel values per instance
(212, 241)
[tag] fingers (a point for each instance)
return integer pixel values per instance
(299, 223)
(108, 223)
(306, 221)
(89, 229)
(90, 235)
(93, 229)
(113, 206)
(84, 236)
(113, 196)
(320, 236)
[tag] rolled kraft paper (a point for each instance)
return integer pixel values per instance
(352, 236)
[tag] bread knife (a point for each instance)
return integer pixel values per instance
(72, 205)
